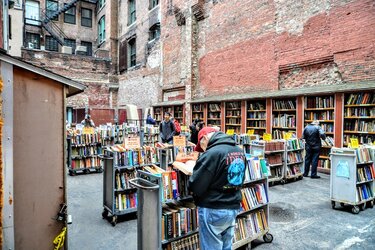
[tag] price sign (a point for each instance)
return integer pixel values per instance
(354, 142)
(267, 137)
(179, 141)
(88, 131)
(250, 132)
(288, 136)
(132, 142)
(230, 132)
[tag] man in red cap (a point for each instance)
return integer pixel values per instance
(215, 183)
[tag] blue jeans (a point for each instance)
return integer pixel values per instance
(216, 228)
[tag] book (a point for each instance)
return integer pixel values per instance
(253, 197)
(250, 225)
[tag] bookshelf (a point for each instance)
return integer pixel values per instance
(256, 116)
(176, 208)
(120, 166)
(295, 159)
(150, 135)
(359, 117)
(284, 115)
(198, 112)
(322, 108)
(83, 152)
(253, 220)
(233, 116)
(275, 154)
(178, 113)
(158, 114)
(352, 181)
(214, 115)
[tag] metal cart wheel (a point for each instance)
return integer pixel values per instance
(87, 171)
(282, 182)
(105, 214)
(342, 204)
(300, 177)
(333, 204)
(99, 170)
(72, 172)
(114, 220)
(268, 238)
(355, 210)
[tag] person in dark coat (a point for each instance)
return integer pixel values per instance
(217, 176)
(194, 131)
(167, 129)
(312, 135)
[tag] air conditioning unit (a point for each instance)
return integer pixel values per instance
(42, 47)
(66, 50)
(81, 50)
(30, 46)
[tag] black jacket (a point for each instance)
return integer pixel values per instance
(216, 174)
(194, 133)
(167, 131)
(312, 134)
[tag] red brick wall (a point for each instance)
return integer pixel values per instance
(102, 116)
(244, 43)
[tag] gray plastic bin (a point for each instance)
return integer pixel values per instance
(148, 214)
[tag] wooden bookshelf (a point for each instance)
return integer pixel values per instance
(359, 117)
(284, 114)
(158, 114)
(233, 116)
(321, 108)
(198, 111)
(214, 114)
(178, 113)
(256, 116)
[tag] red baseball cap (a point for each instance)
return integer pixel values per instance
(204, 131)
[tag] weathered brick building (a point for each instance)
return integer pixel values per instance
(170, 50)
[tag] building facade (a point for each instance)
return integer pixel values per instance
(158, 51)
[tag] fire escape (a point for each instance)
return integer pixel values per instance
(50, 26)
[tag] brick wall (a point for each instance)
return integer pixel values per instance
(93, 72)
(243, 44)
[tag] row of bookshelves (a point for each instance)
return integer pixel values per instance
(358, 117)
(177, 112)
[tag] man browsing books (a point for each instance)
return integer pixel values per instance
(217, 177)
(167, 129)
(312, 134)
(88, 122)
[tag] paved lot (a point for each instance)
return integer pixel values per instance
(301, 217)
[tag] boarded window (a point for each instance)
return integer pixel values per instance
(123, 56)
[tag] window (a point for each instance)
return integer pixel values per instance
(70, 43)
(131, 12)
(88, 46)
(51, 44)
(154, 32)
(123, 56)
(51, 8)
(101, 3)
(70, 15)
(101, 30)
(153, 3)
(32, 12)
(86, 17)
(132, 52)
(32, 40)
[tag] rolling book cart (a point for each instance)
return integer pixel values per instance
(352, 178)
(121, 165)
(174, 212)
(295, 159)
(83, 154)
(252, 221)
(275, 155)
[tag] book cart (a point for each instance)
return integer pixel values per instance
(121, 165)
(83, 153)
(352, 178)
(295, 159)
(275, 155)
(252, 221)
